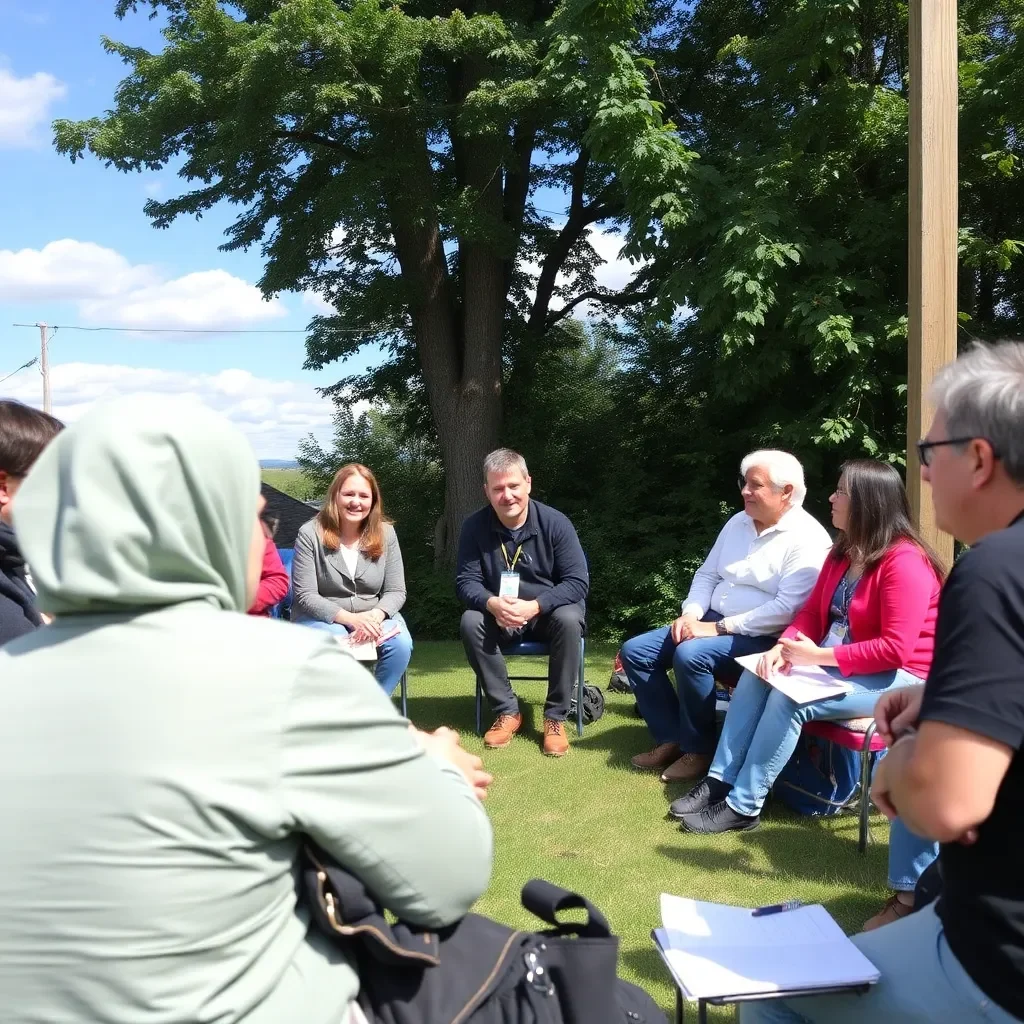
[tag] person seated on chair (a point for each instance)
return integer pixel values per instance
(348, 576)
(164, 760)
(955, 769)
(24, 433)
(274, 578)
(522, 575)
(870, 620)
(758, 573)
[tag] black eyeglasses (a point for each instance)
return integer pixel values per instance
(924, 448)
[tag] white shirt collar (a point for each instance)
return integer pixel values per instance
(789, 521)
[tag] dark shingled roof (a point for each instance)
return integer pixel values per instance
(289, 512)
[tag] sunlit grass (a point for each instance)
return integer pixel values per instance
(590, 823)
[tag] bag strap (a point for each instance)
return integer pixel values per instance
(545, 900)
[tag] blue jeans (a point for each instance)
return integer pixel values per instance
(763, 727)
(686, 718)
(909, 855)
(922, 983)
(392, 656)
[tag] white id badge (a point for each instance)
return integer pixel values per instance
(836, 635)
(509, 586)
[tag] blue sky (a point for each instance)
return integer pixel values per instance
(76, 249)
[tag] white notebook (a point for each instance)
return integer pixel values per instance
(715, 950)
(804, 684)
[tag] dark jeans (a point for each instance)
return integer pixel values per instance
(686, 718)
(561, 629)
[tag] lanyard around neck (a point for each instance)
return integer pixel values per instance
(510, 566)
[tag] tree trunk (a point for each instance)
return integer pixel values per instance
(459, 345)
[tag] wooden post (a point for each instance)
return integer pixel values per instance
(44, 365)
(933, 231)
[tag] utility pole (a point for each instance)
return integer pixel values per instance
(933, 197)
(44, 366)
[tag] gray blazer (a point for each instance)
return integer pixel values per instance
(321, 584)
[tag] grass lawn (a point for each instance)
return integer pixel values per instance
(590, 823)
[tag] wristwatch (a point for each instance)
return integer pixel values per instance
(720, 628)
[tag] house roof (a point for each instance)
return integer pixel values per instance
(289, 512)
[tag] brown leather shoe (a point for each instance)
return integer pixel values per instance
(893, 910)
(500, 734)
(687, 768)
(658, 759)
(556, 743)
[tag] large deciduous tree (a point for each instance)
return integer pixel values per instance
(386, 156)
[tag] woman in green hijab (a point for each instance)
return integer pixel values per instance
(162, 754)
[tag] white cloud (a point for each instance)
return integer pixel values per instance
(212, 299)
(25, 106)
(274, 414)
(614, 273)
(110, 291)
(318, 304)
(68, 270)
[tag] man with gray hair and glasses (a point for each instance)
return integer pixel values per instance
(522, 575)
(955, 769)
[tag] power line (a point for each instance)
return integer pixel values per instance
(204, 330)
(24, 366)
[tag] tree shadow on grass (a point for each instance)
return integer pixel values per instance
(620, 741)
(646, 964)
(804, 849)
(429, 712)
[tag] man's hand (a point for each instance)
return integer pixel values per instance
(511, 612)
(880, 790)
(683, 628)
(799, 650)
(897, 710)
(444, 743)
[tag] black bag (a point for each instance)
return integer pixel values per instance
(593, 704)
(476, 971)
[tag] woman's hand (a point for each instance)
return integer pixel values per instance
(798, 650)
(366, 625)
(772, 663)
(444, 743)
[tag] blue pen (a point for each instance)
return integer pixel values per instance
(776, 908)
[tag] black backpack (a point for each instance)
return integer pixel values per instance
(593, 704)
(476, 971)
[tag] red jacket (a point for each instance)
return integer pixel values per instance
(892, 613)
(274, 581)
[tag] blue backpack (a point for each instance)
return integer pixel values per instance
(820, 778)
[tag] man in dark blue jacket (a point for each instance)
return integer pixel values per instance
(24, 433)
(522, 575)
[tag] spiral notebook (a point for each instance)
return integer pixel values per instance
(716, 951)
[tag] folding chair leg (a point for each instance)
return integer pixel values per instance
(404, 684)
(865, 788)
(579, 690)
(479, 709)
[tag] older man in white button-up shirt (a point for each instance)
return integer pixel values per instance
(754, 580)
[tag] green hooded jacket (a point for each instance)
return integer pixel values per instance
(161, 753)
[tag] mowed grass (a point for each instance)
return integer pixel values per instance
(590, 823)
(291, 481)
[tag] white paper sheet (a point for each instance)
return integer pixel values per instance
(805, 684)
(716, 950)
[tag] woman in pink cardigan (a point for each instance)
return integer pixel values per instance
(870, 621)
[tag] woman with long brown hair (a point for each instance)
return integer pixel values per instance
(870, 621)
(347, 573)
